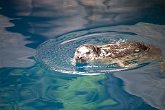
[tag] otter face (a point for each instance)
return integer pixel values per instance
(85, 53)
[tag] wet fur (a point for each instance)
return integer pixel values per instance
(125, 54)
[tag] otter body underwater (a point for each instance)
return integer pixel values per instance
(123, 54)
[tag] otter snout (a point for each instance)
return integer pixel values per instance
(80, 59)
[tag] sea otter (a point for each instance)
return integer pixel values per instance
(123, 54)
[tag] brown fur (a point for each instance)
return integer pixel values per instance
(122, 54)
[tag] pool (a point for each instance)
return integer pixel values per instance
(35, 35)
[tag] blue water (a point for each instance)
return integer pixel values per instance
(28, 76)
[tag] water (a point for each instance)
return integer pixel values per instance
(55, 28)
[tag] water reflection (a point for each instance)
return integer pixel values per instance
(145, 84)
(54, 17)
(37, 88)
(13, 51)
(114, 12)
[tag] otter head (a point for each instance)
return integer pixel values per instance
(86, 53)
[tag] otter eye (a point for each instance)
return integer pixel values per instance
(78, 51)
(88, 52)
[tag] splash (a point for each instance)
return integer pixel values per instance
(56, 54)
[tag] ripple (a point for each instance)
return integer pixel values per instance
(56, 54)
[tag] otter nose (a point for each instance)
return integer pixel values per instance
(79, 57)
